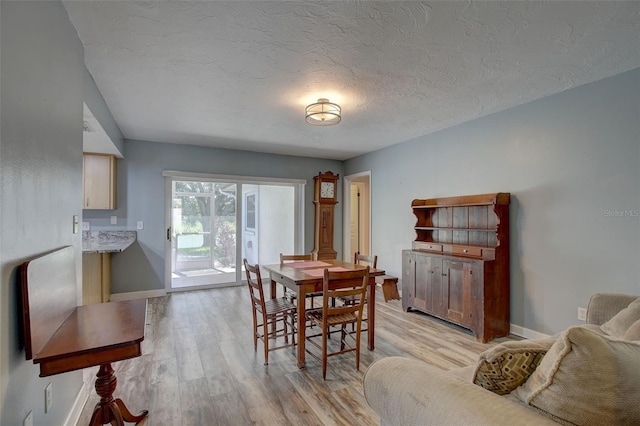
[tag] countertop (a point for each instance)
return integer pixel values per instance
(107, 241)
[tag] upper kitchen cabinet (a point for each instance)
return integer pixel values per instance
(99, 182)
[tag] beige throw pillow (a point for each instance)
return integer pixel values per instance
(633, 332)
(620, 323)
(504, 367)
(587, 378)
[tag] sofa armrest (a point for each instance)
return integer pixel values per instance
(405, 391)
(604, 306)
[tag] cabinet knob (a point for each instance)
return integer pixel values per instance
(465, 251)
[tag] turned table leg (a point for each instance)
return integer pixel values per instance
(110, 410)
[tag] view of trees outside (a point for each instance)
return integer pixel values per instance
(197, 225)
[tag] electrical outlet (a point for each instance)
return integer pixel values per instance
(114, 220)
(48, 397)
(86, 226)
(28, 421)
(140, 225)
(582, 314)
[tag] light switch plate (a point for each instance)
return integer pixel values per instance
(140, 225)
(76, 223)
(48, 398)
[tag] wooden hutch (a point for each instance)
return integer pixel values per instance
(458, 269)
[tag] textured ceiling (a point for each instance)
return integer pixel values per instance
(238, 74)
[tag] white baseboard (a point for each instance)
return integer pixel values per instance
(78, 405)
(526, 333)
(137, 295)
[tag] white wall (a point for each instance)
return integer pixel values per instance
(276, 209)
(40, 183)
(568, 160)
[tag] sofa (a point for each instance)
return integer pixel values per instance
(588, 374)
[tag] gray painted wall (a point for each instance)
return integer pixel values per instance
(141, 197)
(40, 182)
(94, 100)
(570, 162)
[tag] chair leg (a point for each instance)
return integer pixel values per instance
(293, 329)
(358, 347)
(324, 353)
(284, 326)
(255, 332)
(265, 341)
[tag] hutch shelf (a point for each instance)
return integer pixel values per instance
(458, 268)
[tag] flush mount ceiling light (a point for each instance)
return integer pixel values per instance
(323, 113)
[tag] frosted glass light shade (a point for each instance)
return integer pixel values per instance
(323, 113)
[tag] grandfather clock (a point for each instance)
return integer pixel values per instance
(325, 200)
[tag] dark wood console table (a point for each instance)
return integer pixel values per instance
(61, 337)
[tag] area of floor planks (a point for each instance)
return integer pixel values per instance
(199, 366)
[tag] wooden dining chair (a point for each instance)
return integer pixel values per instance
(337, 284)
(284, 258)
(361, 259)
(271, 312)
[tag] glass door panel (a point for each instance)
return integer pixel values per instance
(203, 233)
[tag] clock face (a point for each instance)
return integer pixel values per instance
(326, 189)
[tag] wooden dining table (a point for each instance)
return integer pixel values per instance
(306, 277)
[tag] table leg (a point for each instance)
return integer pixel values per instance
(302, 306)
(272, 288)
(371, 310)
(110, 410)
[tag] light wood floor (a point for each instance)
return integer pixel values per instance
(199, 366)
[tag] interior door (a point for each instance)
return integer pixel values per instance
(354, 218)
(357, 215)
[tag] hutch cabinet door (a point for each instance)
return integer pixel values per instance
(408, 278)
(428, 284)
(458, 276)
(435, 283)
(422, 283)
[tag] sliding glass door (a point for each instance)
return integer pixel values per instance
(213, 223)
(203, 223)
